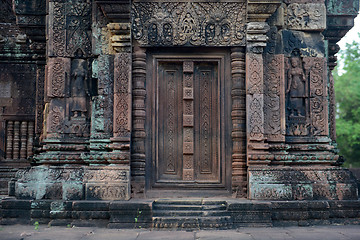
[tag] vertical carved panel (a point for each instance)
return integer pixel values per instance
(254, 99)
(188, 121)
(205, 115)
(138, 129)
(206, 121)
(274, 98)
(16, 145)
(56, 77)
(9, 139)
(170, 131)
(238, 113)
(122, 95)
(171, 144)
(23, 140)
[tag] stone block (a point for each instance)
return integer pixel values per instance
(73, 191)
(40, 213)
(16, 204)
(107, 191)
(306, 17)
(270, 191)
(91, 205)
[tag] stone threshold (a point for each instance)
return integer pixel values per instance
(190, 213)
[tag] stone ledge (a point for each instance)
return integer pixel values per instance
(139, 213)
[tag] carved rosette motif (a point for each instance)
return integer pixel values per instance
(192, 24)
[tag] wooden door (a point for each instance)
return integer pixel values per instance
(187, 107)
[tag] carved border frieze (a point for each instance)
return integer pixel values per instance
(189, 24)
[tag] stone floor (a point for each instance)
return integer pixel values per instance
(26, 232)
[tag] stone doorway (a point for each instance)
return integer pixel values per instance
(186, 96)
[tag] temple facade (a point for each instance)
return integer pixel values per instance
(112, 100)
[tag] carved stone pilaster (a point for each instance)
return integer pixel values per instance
(121, 43)
(238, 116)
(256, 41)
(138, 133)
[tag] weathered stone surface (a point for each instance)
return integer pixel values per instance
(301, 184)
(74, 183)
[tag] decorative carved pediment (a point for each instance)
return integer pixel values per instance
(189, 23)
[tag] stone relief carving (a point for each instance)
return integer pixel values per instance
(70, 29)
(306, 97)
(193, 24)
(57, 76)
(79, 88)
(309, 16)
(296, 89)
(122, 95)
(274, 97)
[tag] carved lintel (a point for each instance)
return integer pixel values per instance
(261, 10)
(189, 23)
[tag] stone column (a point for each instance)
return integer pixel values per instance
(238, 116)
(138, 138)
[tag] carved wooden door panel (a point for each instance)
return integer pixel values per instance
(187, 119)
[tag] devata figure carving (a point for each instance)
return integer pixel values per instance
(79, 88)
(296, 89)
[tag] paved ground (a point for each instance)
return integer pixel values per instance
(26, 232)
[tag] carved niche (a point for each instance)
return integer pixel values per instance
(189, 23)
(306, 97)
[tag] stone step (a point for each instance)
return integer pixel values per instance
(166, 213)
(189, 207)
(189, 202)
(224, 222)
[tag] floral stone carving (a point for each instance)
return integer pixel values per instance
(191, 24)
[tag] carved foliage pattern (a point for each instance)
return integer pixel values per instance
(167, 24)
(122, 96)
(274, 97)
(205, 121)
(70, 28)
(171, 121)
(57, 78)
(255, 102)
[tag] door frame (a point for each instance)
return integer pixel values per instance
(221, 55)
